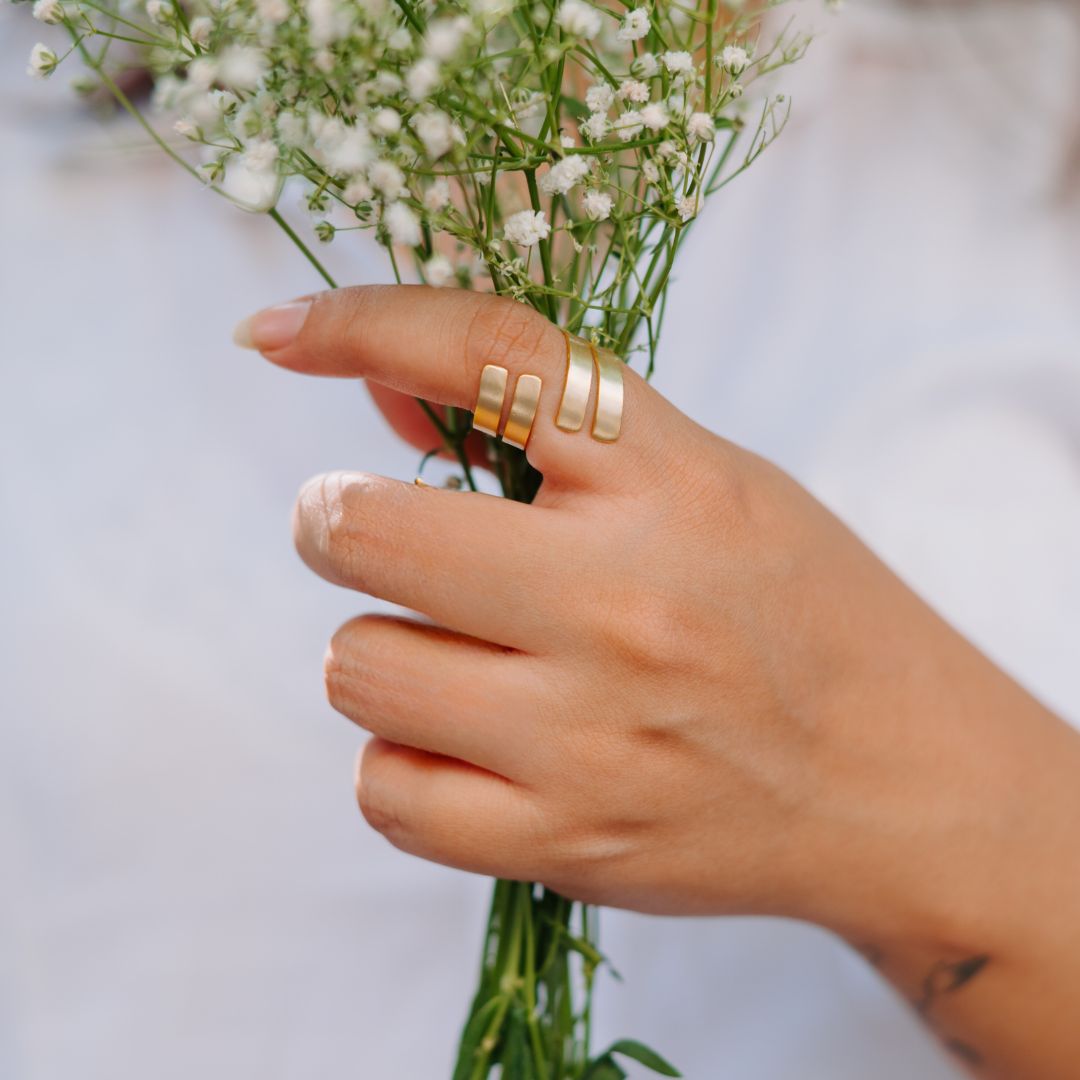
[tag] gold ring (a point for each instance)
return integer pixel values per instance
(522, 411)
(489, 399)
(609, 396)
(579, 378)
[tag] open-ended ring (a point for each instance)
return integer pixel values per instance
(489, 399)
(609, 396)
(522, 411)
(578, 386)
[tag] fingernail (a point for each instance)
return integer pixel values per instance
(272, 328)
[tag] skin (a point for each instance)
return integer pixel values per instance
(677, 684)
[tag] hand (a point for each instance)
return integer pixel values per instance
(674, 683)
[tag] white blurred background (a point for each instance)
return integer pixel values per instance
(888, 305)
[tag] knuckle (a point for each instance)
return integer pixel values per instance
(505, 332)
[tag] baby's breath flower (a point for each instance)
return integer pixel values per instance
(645, 66)
(400, 40)
(187, 128)
(599, 98)
(567, 142)
(564, 174)
(386, 121)
(687, 207)
(651, 171)
(596, 127)
(272, 12)
(579, 18)
(628, 125)
(633, 90)
(48, 11)
(199, 30)
(435, 131)
(700, 127)
(444, 37)
(438, 270)
(597, 205)
(635, 25)
(734, 59)
(159, 12)
(42, 63)
(357, 190)
(655, 117)
(527, 228)
(402, 225)
(422, 78)
(678, 63)
(241, 67)
(387, 179)
(437, 196)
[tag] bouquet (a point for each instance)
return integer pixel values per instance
(554, 151)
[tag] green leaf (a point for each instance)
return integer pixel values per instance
(639, 1052)
(605, 1068)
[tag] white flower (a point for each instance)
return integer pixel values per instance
(655, 117)
(344, 149)
(651, 171)
(251, 189)
(386, 121)
(158, 11)
(700, 127)
(579, 18)
(599, 98)
(199, 30)
(326, 22)
(186, 128)
(735, 59)
(201, 73)
(526, 228)
(437, 196)
(435, 131)
(666, 149)
(291, 129)
(632, 90)
(567, 142)
(628, 125)
(645, 66)
(260, 155)
(272, 12)
(736, 90)
(388, 82)
(42, 63)
(597, 205)
(438, 270)
(687, 207)
(400, 39)
(48, 11)
(635, 25)
(402, 225)
(357, 190)
(422, 78)
(387, 179)
(241, 67)
(444, 37)
(678, 63)
(596, 127)
(564, 174)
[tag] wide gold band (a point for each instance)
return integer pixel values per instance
(522, 411)
(609, 396)
(489, 399)
(579, 378)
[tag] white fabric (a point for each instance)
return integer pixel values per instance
(886, 305)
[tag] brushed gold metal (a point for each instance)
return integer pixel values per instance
(489, 399)
(522, 411)
(609, 396)
(578, 386)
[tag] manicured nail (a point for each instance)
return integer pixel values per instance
(272, 328)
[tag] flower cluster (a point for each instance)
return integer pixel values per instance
(555, 152)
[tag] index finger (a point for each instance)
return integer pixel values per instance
(435, 343)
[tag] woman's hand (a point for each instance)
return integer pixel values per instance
(676, 683)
